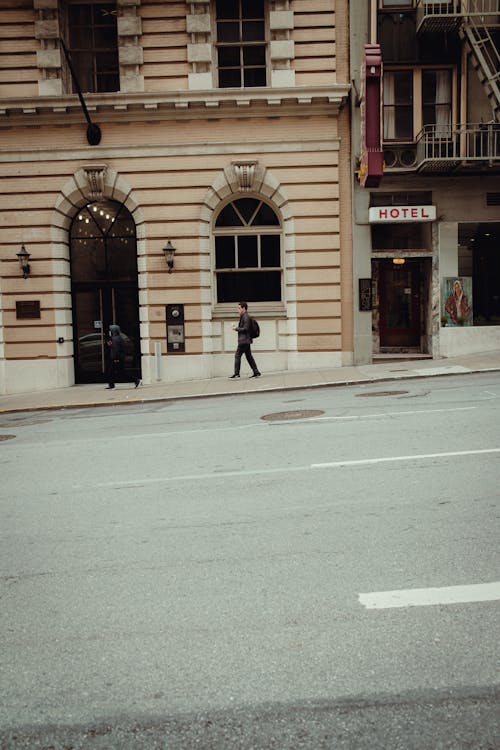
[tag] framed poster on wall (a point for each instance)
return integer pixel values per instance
(457, 301)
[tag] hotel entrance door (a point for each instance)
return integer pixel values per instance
(399, 304)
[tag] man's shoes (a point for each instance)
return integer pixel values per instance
(234, 376)
(255, 375)
(109, 387)
(137, 382)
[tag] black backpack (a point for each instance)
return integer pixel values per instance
(254, 329)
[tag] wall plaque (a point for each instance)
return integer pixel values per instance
(27, 309)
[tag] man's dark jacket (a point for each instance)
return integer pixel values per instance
(243, 329)
(117, 345)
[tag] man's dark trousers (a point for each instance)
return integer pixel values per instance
(244, 349)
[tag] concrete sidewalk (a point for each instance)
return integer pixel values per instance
(389, 369)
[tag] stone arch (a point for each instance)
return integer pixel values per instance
(92, 182)
(237, 179)
(240, 177)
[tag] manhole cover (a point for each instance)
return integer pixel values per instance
(383, 393)
(7, 437)
(282, 416)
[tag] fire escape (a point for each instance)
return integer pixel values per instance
(469, 145)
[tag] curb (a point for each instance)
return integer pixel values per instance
(222, 394)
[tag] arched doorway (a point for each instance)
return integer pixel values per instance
(104, 287)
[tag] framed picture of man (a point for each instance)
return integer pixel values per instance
(457, 301)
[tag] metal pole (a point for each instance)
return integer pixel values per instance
(93, 130)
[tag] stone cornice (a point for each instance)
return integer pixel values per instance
(183, 105)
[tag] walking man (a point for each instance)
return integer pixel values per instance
(244, 342)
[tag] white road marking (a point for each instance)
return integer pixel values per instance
(479, 592)
(418, 457)
(391, 414)
(197, 477)
(285, 469)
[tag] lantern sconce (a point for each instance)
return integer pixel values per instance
(169, 252)
(23, 257)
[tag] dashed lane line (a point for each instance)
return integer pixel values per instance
(478, 592)
(386, 459)
(140, 481)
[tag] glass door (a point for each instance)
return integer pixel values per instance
(104, 289)
(89, 331)
(95, 308)
(399, 300)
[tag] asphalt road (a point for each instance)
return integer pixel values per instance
(201, 574)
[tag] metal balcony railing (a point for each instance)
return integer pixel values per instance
(439, 16)
(474, 21)
(445, 149)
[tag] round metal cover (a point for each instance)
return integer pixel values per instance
(282, 416)
(383, 393)
(7, 437)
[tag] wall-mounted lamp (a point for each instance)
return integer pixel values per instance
(169, 252)
(398, 261)
(23, 257)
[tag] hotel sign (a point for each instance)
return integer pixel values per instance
(388, 214)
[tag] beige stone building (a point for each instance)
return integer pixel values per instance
(218, 129)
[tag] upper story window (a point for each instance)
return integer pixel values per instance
(398, 105)
(241, 43)
(436, 99)
(92, 40)
(247, 237)
(397, 35)
(416, 97)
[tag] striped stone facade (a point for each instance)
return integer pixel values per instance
(175, 148)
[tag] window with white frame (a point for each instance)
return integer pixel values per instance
(436, 99)
(241, 43)
(398, 105)
(415, 97)
(247, 239)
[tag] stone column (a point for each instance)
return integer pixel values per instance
(200, 47)
(48, 57)
(281, 48)
(130, 51)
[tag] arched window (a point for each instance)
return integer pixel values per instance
(248, 266)
(103, 243)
